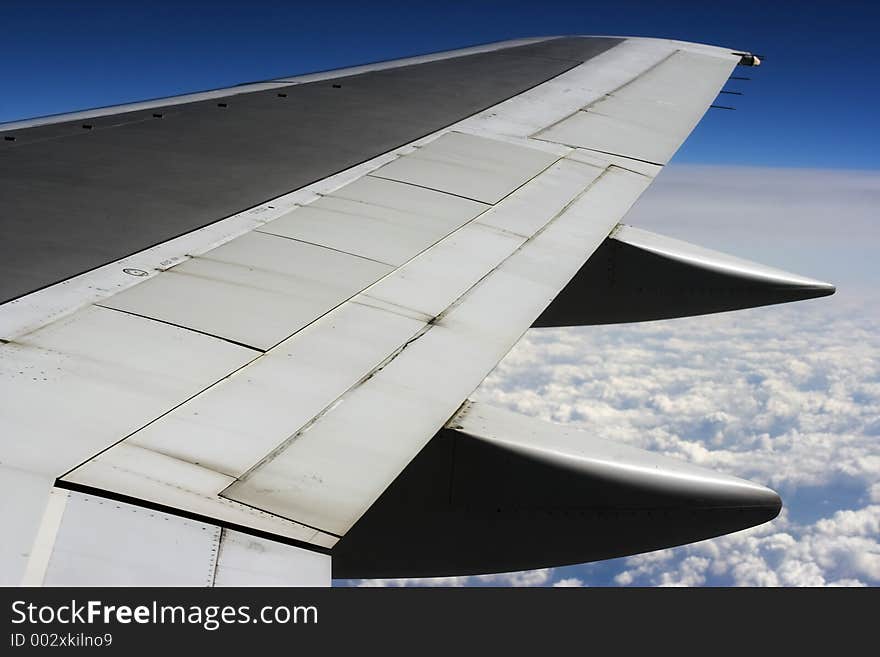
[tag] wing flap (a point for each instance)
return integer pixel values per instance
(133, 473)
(86, 540)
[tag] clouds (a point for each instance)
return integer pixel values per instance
(787, 396)
(738, 391)
(539, 577)
(568, 582)
(841, 550)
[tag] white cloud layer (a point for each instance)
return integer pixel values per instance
(788, 396)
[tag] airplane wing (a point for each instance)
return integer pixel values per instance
(240, 327)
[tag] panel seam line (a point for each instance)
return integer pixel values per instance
(181, 326)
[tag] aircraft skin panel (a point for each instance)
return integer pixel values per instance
(636, 166)
(284, 81)
(359, 219)
(255, 290)
(132, 473)
(145, 547)
(526, 211)
(252, 348)
(481, 169)
(428, 284)
(547, 104)
(103, 374)
(246, 560)
(130, 542)
(232, 425)
(25, 496)
(648, 118)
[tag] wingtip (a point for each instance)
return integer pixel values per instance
(817, 289)
(777, 506)
(768, 507)
(771, 501)
(748, 59)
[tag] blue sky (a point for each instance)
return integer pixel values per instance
(812, 105)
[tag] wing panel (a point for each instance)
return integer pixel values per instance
(256, 290)
(23, 496)
(171, 483)
(529, 208)
(604, 159)
(483, 169)
(92, 541)
(430, 285)
(100, 542)
(245, 560)
(608, 134)
(231, 426)
(103, 374)
(648, 118)
(379, 219)
(433, 281)
(537, 108)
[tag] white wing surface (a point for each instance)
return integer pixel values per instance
(271, 373)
